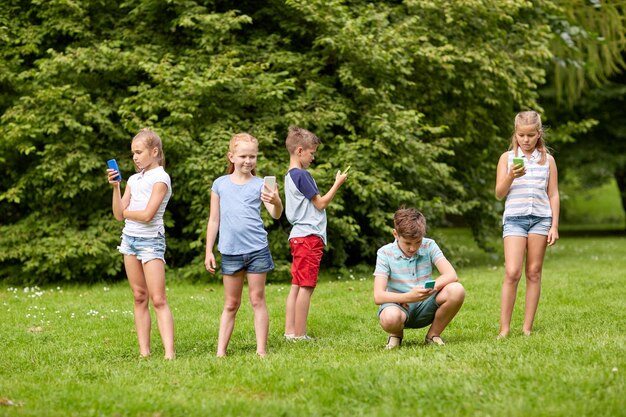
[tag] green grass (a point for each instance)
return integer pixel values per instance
(597, 208)
(72, 351)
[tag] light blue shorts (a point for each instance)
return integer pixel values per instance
(525, 225)
(256, 262)
(420, 314)
(144, 248)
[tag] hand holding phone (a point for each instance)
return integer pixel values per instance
(112, 164)
(518, 163)
(429, 284)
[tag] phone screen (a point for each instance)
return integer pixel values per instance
(270, 182)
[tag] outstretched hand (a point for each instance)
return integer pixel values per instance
(340, 177)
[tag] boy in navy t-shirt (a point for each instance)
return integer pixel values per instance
(305, 210)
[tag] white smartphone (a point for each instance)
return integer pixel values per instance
(270, 182)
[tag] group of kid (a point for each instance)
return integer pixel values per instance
(526, 176)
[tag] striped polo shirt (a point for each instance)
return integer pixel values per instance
(528, 194)
(404, 273)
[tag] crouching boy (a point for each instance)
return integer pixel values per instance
(402, 270)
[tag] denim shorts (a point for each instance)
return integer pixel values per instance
(144, 248)
(256, 262)
(419, 314)
(525, 225)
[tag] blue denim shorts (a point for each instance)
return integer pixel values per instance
(420, 314)
(525, 225)
(144, 248)
(256, 262)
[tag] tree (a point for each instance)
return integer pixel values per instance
(417, 96)
(588, 87)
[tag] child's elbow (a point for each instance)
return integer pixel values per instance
(377, 299)
(146, 217)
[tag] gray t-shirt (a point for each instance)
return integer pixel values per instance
(241, 227)
(300, 188)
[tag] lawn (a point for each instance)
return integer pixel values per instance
(72, 350)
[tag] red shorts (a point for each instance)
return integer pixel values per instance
(307, 256)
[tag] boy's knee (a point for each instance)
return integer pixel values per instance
(456, 291)
(453, 293)
(392, 318)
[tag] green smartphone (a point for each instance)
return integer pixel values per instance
(518, 162)
(429, 284)
(345, 171)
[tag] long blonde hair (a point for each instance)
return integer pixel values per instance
(152, 140)
(526, 118)
(232, 146)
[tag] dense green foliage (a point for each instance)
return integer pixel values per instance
(573, 365)
(417, 96)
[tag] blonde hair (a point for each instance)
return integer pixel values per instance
(298, 137)
(151, 140)
(530, 118)
(409, 223)
(232, 147)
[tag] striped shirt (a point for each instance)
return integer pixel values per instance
(528, 194)
(404, 273)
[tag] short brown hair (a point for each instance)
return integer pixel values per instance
(298, 137)
(409, 223)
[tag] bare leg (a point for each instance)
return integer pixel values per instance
(392, 320)
(138, 285)
(450, 300)
(233, 285)
(534, 265)
(514, 249)
(154, 271)
(256, 284)
(290, 310)
(303, 302)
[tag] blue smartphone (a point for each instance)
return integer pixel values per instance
(112, 163)
(429, 284)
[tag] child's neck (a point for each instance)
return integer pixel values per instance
(294, 162)
(151, 167)
(239, 177)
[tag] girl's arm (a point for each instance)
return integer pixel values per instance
(119, 203)
(271, 200)
(159, 190)
(505, 176)
(211, 231)
(321, 202)
(555, 201)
